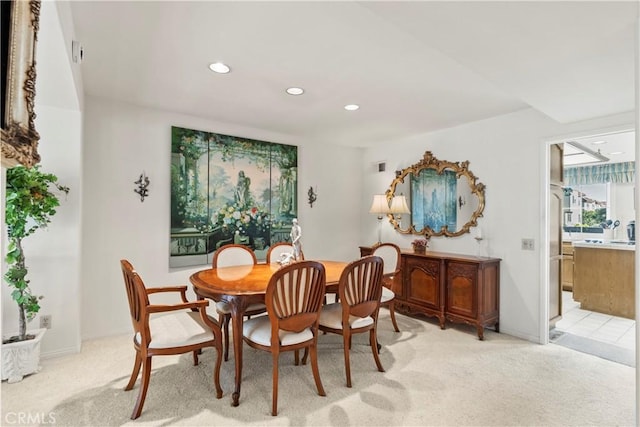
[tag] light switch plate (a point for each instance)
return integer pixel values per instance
(527, 245)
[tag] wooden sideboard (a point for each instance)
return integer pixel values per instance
(453, 287)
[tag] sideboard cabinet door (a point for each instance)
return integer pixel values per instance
(473, 293)
(462, 290)
(423, 285)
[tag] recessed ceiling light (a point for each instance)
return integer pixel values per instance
(615, 153)
(598, 142)
(219, 67)
(295, 91)
(351, 107)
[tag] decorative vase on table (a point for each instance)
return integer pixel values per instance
(420, 246)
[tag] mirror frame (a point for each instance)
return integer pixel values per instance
(429, 161)
(18, 136)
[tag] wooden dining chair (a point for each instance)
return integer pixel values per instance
(390, 254)
(294, 299)
(276, 250)
(167, 329)
(227, 256)
(359, 291)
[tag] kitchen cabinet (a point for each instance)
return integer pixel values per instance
(450, 287)
(567, 266)
(604, 278)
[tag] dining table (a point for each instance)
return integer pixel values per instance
(241, 286)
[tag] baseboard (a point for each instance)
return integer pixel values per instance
(60, 352)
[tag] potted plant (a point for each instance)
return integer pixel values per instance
(420, 245)
(31, 201)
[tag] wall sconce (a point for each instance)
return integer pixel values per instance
(399, 207)
(313, 195)
(143, 183)
(461, 202)
(380, 207)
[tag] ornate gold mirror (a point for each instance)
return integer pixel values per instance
(444, 198)
(18, 135)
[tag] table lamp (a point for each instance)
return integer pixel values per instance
(398, 207)
(380, 207)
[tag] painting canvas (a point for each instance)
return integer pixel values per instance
(227, 189)
(433, 200)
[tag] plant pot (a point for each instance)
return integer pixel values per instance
(420, 249)
(22, 357)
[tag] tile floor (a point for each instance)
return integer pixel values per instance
(613, 330)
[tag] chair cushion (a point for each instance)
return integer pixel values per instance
(224, 307)
(387, 295)
(258, 330)
(177, 329)
(331, 317)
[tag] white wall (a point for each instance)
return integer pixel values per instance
(120, 141)
(505, 154)
(622, 196)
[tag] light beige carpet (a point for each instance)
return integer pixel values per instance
(433, 378)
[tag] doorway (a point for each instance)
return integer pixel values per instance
(602, 334)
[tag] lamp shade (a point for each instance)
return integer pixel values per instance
(399, 205)
(379, 205)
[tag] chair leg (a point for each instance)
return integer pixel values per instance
(305, 356)
(195, 357)
(347, 366)
(274, 402)
(296, 355)
(135, 372)
(392, 313)
(374, 349)
(225, 342)
(314, 368)
(146, 373)
(216, 372)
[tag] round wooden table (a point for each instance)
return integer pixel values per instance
(243, 285)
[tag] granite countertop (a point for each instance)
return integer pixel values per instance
(623, 245)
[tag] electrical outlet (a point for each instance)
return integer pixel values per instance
(527, 245)
(45, 321)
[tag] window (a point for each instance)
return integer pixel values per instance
(585, 207)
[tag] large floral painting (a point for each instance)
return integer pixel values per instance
(226, 189)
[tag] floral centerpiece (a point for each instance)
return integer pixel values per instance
(420, 245)
(252, 221)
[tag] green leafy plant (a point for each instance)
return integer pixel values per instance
(31, 201)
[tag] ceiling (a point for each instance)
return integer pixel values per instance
(413, 67)
(615, 147)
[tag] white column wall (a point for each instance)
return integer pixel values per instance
(120, 141)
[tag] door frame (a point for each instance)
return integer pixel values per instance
(546, 215)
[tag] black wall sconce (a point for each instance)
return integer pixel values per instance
(143, 183)
(461, 202)
(313, 195)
